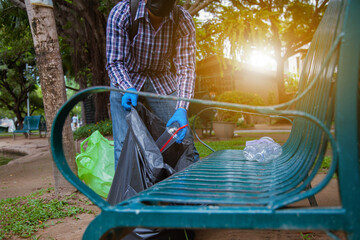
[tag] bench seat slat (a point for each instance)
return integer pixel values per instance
(226, 183)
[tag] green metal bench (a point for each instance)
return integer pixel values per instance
(224, 191)
(32, 123)
(3, 129)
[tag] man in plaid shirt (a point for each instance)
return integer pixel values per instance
(144, 63)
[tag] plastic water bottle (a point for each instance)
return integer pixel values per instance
(175, 128)
(171, 130)
(167, 138)
(262, 150)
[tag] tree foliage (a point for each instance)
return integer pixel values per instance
(280, 27)
(17, 64)
(236, 97)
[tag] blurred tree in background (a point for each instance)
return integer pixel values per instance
(281, 28)
(17, 65)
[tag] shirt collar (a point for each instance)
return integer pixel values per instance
(142, 12)
(171, 15)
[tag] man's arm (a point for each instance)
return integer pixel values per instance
(184, 59)
(118, 46)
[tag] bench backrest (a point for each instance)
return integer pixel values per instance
(34, 123)
(328, 82)
(305, 148)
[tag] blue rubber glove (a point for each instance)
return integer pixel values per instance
(180, 116)
(129, 99)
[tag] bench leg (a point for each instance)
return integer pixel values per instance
(104, 229)
(312, 199)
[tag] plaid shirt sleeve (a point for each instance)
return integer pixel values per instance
(184, 59)
(118, 46)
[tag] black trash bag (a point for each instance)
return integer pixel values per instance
(141, 165)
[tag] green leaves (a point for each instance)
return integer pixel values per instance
(17, 62)
(249, 23)
(3, 67)
(221, 145)
(104, 127)
(236, 97)
(23, 216)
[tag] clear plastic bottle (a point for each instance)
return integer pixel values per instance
(175, 128)
(250, 152)
(171, 130)
(262, 150)
(167, 138)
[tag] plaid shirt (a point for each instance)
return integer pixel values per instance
(148, 55)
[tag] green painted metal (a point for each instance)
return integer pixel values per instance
(347, 118)
(224, 190)
(3, 129)
(32, 123)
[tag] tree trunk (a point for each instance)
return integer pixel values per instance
(279, 65)
(20, 119)
(278, 57)
(280, 80)
(48, 61)
(96, 39)
(90, 31)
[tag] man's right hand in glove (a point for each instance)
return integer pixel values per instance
(180, 116)
(129, 99)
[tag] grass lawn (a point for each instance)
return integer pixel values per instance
(23, 216)
(237, 142)
(220, 145)
(4, 160)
